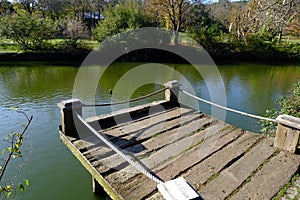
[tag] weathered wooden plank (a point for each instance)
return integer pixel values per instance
(92, 141)
(156, 196)
(175, 134)
(140, 150)
(87, 142)
(105, 152)
(196, 155)
(200, 173)
(232, 177)
(145, 123)
(100, 152)
(169, 152)
(125, 116)
(154, 129)
(271, 178)
(137, 189)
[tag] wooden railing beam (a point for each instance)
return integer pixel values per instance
(287, 133)
(171, 94)
(67, 109)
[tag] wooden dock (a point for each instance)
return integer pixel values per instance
(220, 161)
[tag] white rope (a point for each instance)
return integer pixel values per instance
(229, 109)
(127, 101)
(136, 165)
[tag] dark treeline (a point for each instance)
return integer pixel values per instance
(251, 29)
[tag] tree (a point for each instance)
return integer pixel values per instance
(199, 18)
(73, 30)
(29, 5)
(119, 18)
(174, 13)
(264, 16)
(53, 9)
(30, 32)
(15, 141)
(5, 7)
(294, 27)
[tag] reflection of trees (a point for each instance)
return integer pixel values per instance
(260, 85)
(38, 81)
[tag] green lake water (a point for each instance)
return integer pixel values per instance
(53, 171)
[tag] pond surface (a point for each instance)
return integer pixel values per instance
(36, 88)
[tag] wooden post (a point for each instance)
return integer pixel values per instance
(171, 94)
(97, 188)
(67, 109)
(287, 134)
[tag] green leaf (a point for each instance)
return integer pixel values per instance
(21, 187)
(14, 108)
(26, 182)
(3, 151)
(10, 149)
(9, 194)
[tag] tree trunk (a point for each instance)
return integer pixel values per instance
(280, 36)
(175, 34)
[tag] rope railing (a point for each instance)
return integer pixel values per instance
(127, 101)
(133, 163)
(228, 109)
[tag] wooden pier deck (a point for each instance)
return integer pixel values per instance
(220, 161)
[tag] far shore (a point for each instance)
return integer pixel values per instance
(157, 56)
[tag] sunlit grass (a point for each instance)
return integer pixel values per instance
(9, 46)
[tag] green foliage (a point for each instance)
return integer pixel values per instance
(267, 126)
(15, 141)
(29, 31)
(259, 43)
(289, 104)
(283, 191)
(119, 18)
(210, 38)
(5, 7)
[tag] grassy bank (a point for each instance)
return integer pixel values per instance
(286, 52)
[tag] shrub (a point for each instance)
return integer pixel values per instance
(289, 104)
(119, 18)
(29, 31)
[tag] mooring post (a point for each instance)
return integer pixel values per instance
(171, 94)
(67, 109)
(287, 133)
(97, 188)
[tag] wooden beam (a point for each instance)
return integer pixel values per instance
(86, 164)
(171, 94)
(287, 134)
(67, 109)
